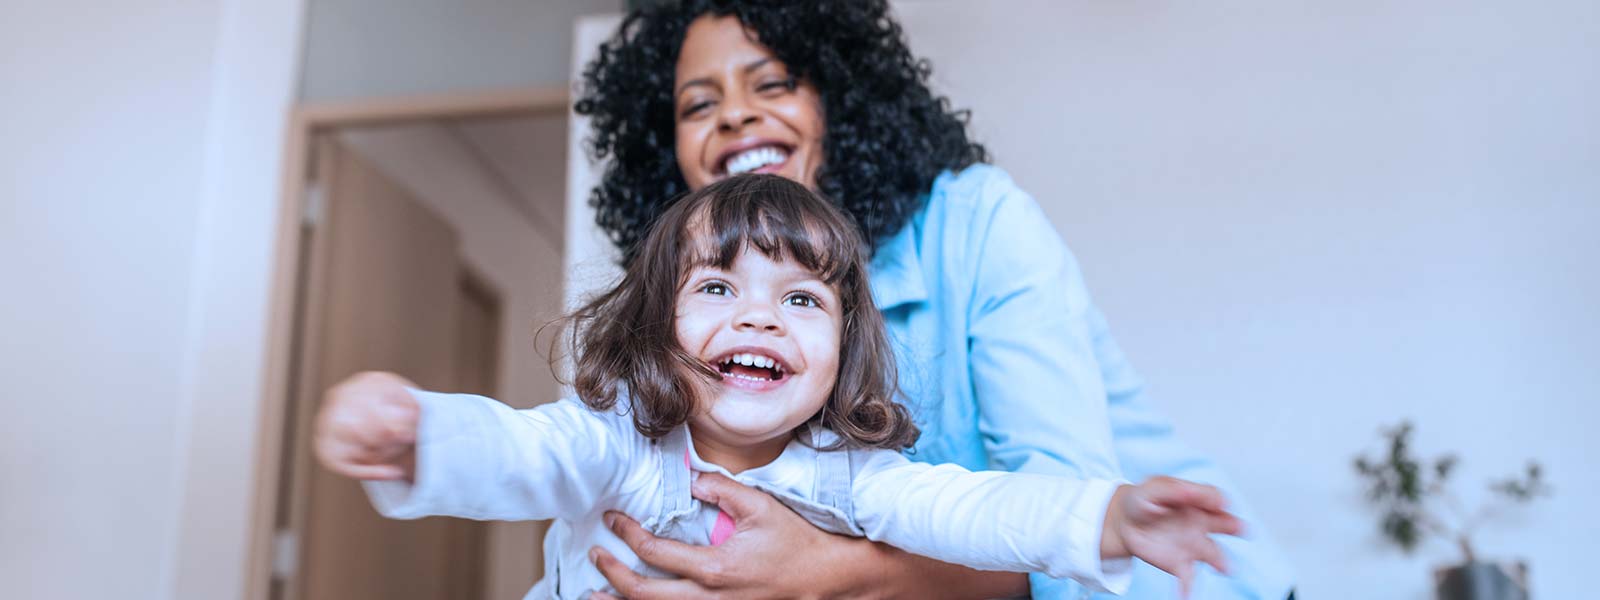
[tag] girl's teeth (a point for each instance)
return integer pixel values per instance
(751, 360)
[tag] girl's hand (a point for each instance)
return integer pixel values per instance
(1167, 522)
(774, 553)
(367, 428)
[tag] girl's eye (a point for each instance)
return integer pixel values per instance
(719, 289)
(806, 300)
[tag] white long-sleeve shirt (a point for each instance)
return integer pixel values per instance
(480, 459)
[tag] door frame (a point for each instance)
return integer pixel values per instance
(305, 121)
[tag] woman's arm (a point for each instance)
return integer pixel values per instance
(1036, 377)
(1034, 351)
(775, 553)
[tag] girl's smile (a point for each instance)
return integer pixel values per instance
(771, 330)
(752, 368)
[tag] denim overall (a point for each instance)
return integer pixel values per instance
(683, 518)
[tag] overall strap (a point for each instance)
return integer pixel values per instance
(834, 475)
(673, 452)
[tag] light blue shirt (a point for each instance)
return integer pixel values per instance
(1007, 364)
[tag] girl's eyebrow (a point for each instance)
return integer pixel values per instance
(814, 280)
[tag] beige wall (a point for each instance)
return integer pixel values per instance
(382, 48)
(138, 168)
(510, 226)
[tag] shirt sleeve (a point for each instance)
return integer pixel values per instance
(990, 520)
(1039, 394)
(480, 459)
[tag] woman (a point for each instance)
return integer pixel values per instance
(1005, 361)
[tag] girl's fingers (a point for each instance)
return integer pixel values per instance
(1187, 494)
(1224, 523)
(369, 472)
(1210, 553)
(400, 420)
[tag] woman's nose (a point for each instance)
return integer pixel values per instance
(735, 114)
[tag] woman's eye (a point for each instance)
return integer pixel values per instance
(696, 108)
(806, 300)
(786, 84)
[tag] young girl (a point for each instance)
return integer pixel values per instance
(742, 340)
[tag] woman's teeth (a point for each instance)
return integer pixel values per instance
(755, 158)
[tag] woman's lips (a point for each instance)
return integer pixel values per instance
(772, 168)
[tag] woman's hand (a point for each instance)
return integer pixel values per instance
(1167, 522)
(774, 553)
(367, 428)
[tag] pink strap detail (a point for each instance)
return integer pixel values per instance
(724, 527)
(722, 530)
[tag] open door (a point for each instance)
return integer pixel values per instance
(383, 288)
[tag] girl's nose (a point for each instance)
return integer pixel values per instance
(758, 317)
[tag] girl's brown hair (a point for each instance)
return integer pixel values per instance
(625, 344)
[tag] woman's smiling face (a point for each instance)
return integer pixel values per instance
(739, 110)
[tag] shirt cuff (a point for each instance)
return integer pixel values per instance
(436, 425)
(1114, 575)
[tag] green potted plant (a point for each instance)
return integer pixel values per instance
(1415, 504)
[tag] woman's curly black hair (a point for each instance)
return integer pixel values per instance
(887, 135)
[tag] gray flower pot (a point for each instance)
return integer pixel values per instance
(1482, 581)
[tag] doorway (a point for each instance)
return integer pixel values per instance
(430, 232)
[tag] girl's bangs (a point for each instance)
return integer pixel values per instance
(783, 222)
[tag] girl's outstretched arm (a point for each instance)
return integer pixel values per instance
(424, 453)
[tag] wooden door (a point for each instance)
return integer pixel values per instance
(383, 291)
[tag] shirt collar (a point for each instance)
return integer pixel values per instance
(896, 271)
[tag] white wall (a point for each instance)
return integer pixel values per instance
(138, 169)
(589, 258)
(376, 48)
(1307, 221)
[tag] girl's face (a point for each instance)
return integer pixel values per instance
(738, 110)
(772, 329)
